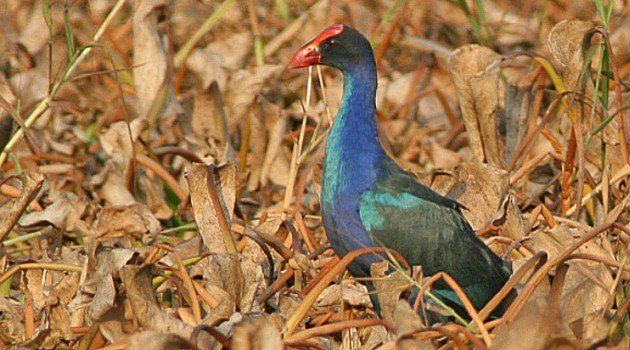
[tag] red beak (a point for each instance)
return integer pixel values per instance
(310, 54)
(307, 55)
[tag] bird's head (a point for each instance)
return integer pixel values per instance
(338, 46)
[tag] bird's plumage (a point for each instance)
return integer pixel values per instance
(368, 200)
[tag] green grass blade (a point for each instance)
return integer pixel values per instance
(69, 36)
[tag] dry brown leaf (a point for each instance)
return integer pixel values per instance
(254, 253)
(207, 65)
(444, 158)
(350, 292)
(586, 290)
(272, 167)
(116, 140)
(552, 241)
(103, 300)
(389, 289)
(569, 48)
(253, 283)
(152, 193)
(99, 292)
(476, 74)
(151, 45)
(52, 292)
(480, 188)
(243, 88)
(135, 220)
(112, 329)
(62, 213)
(533, 329)
(206, 214)
(620, 42)
(515, 109)
(257, 146)
(407, 322)
(113, 189)
(137, 282)
(279, 173)
(11, 327)
(32, 36)
(157, 340)
(223, 310)
(592, 328)
(587, 285)
(186, 249)
(202, 121)
(223, 277)
(269, 123)
(31, 84)
(287, 304)
(109, 262)
(216, 60)
(256, 334)
(34, 281)
(270, 226)
(565, 44)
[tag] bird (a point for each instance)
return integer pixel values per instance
(368, 200)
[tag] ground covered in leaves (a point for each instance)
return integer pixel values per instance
(160, 170)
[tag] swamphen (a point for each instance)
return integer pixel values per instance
(368, 200)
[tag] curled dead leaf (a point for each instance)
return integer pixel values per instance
(137, 281)
(152, 73)
(207, 214)
(476, 73)
(223, 277)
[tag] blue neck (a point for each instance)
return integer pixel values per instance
(353, 148)
(352, 158)
(357, 106)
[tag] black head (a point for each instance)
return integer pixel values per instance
(338, 46)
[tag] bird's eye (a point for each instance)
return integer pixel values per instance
(331, 42)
